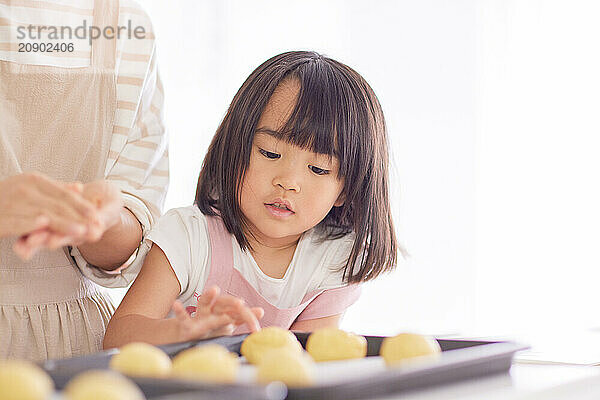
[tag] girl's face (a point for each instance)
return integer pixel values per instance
(286, 190)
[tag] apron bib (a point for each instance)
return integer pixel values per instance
(223, 274)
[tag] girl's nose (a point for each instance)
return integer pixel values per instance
(287, 180)
(289, 186)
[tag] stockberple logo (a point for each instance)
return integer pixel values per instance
(92, 32)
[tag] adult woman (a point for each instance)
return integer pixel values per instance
(83, 164)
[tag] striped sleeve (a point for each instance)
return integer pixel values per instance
(138, 161)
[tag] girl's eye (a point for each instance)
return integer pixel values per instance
(318, 171)
(269, 154)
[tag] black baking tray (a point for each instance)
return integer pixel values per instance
(460, 360)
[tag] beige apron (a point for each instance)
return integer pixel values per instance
(57, 121)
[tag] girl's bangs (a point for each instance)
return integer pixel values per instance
(316, 120)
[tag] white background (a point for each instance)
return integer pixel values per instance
(493, 115)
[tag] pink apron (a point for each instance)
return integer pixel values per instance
(317, 304)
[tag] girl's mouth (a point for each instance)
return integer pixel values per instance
(279, 210)
(280, 206)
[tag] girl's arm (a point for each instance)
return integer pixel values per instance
(141, 316)
(310, 325)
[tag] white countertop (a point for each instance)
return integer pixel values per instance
(524, 382)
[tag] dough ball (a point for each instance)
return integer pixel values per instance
(212, 362)
(292, 367)
(404, 346)
(141, 359)
(23, 380)
(255, 345)
(328, 344)
(101, 385)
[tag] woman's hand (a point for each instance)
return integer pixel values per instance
(30, 202)
(106, 202)
(215, 315)
(107, 199)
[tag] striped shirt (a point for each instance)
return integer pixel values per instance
(138, 157)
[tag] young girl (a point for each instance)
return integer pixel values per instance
(291, 212)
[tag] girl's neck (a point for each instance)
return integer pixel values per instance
(273, 257)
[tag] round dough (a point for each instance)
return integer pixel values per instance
(271, 337)
(101, 385)
(328, 344)
(399, 348)
(23, 380)
(141, 359)
(294, 368)
(212, 362)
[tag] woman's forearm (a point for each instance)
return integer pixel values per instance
(138, 328)
(116, 245)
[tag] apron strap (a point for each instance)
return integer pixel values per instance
(330, 302)
(221, 254)
(104, 50)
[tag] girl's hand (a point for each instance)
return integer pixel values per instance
(107, 204)
(237, 309)
(216, 315)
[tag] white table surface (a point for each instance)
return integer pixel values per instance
(523, 382)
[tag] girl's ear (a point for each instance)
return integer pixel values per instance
(340, 200)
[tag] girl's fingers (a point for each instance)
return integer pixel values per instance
(226, 330)
(204, 307)
(250, 319)
(203, 327)
(237, 308)
(258, 312)
(210, 326)
(179, 311)
(214, 322)
(243, 314)
(227, 302)
(217, 315)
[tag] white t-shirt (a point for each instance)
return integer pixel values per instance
(182, 234)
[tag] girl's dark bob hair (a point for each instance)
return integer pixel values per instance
(337, 114)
